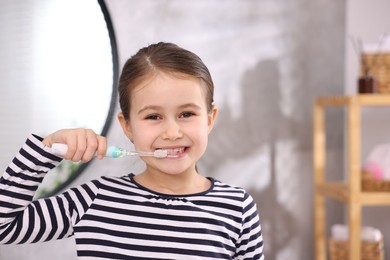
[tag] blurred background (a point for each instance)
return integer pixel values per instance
(269, 60)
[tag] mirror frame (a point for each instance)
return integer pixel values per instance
(115, 62)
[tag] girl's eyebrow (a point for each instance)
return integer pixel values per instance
(184, 106)
(190, 105)
(151, 107)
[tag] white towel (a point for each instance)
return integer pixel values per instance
(370, 234)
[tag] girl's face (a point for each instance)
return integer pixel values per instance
(169, 112)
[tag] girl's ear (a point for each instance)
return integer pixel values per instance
(126, 127)
(211, 117)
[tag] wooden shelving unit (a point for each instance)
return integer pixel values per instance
(348, 191)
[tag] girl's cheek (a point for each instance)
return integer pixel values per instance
(146, 134)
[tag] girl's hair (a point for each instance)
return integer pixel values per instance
(167, 58)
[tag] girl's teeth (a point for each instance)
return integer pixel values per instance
(175, 151)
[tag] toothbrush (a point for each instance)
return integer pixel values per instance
(112, 152)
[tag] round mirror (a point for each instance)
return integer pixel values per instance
(58, 67)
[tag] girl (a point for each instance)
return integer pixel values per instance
(169, 211)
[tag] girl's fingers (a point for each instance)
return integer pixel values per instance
(89, 145)
(82, 144)
(76, 146)
(102, 146)
(71, 140)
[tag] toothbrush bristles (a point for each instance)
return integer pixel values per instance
(160, 153)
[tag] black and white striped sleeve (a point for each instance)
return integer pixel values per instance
(23, 220)
(250, 242)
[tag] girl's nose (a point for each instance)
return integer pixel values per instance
(172, 130)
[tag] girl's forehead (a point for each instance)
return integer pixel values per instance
(162, 83)
(159, 75)
(168, 89)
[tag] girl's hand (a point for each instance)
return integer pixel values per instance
(82, 143)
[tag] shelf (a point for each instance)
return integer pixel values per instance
(348, 192)
(363, 100)
(375, 198)
(339, 191)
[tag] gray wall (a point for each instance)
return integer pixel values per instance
(269, 59)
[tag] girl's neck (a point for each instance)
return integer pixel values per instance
(179, 184)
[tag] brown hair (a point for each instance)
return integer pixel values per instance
(165, 57)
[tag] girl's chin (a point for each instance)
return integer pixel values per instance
(175, 170)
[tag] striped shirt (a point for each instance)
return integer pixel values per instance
(116, 218)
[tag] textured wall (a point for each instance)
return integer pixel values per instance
(268, 59)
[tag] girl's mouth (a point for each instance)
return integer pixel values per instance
(176, 152)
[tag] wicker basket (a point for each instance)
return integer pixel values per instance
(373, 185)
(338, 250)
(379, 65)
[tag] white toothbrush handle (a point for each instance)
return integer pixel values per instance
(59, 149)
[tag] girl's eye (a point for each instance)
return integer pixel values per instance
(153, 117)
(186, 114)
